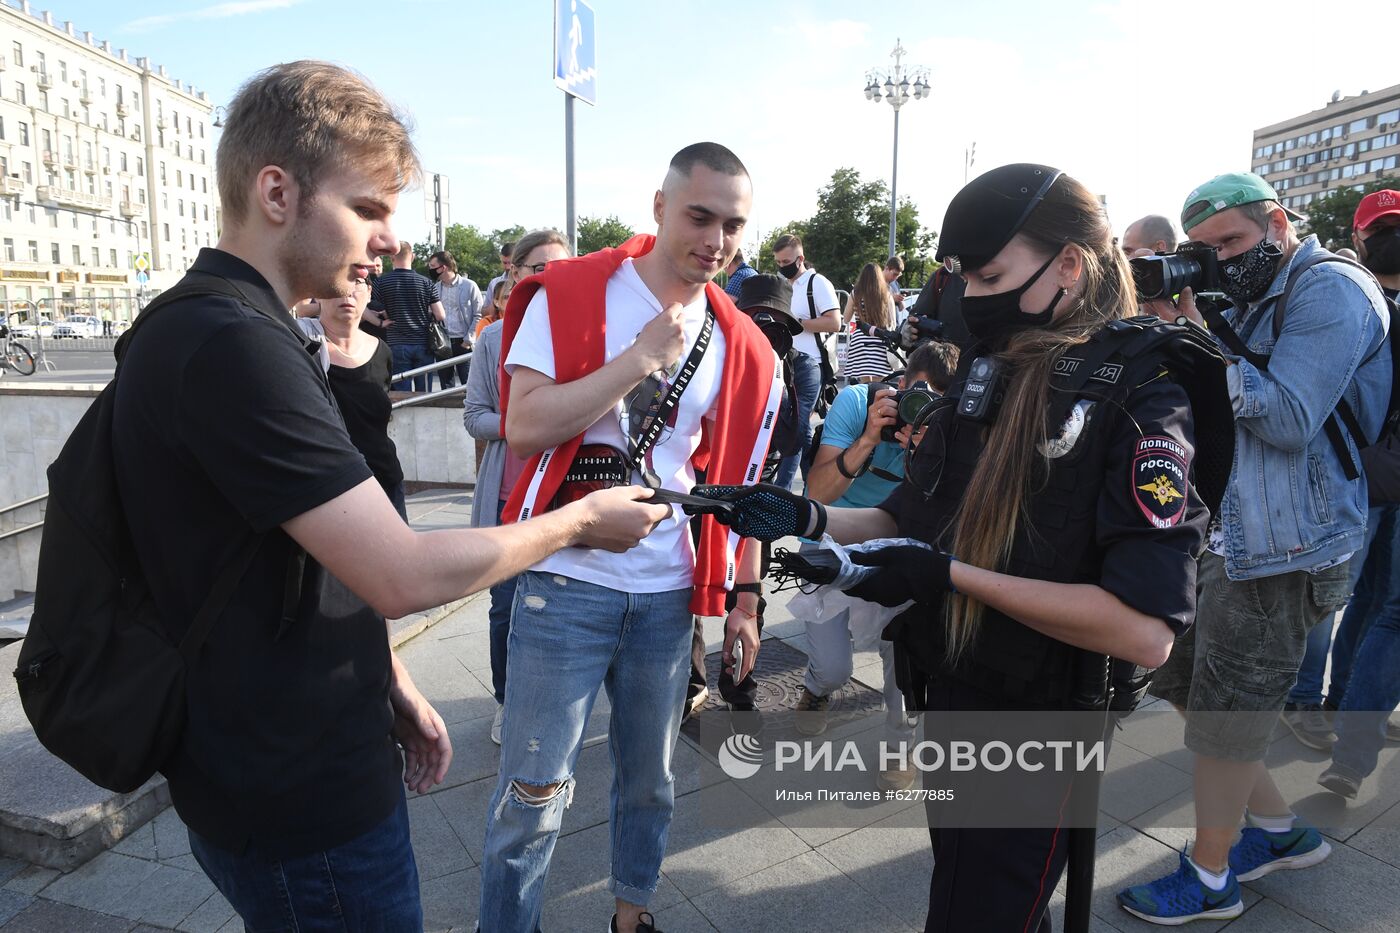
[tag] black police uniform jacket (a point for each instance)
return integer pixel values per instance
(1116, 504)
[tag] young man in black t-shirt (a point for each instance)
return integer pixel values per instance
(301, 722)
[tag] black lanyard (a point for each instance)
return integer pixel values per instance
(658, 415)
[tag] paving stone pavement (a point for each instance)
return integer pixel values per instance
(758, 873)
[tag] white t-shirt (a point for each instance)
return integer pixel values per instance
(665, 560)
(823, 296)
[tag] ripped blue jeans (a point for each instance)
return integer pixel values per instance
(567, 638)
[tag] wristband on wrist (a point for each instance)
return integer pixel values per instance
(845, 471)
(818, 524)
(755, 588)
(744, 612)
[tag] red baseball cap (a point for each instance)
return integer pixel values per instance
(1376, 205)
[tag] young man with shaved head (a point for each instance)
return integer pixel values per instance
(627, 365)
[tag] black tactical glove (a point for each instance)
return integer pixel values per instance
(906, 572)
(764, 511)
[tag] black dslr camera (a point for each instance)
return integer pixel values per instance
(909, 404)
(914, 332)
(1162, 276)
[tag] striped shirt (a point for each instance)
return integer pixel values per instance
(406, 297)
(865, 357)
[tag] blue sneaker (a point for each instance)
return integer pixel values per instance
(1182, 897)
(1259, 852)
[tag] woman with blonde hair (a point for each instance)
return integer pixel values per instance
(1069, 468)
(870, 306)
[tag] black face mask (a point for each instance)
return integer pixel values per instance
(991, 318)
(1383, 252)
(788, 271)
(1246, 277)
(434, 274)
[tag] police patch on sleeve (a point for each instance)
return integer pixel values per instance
(1160, 467)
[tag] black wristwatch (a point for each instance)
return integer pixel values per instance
(755, 588)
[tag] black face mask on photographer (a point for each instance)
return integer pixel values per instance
(990, 318)
(788, 271)
(1246, 277)
(1383, 251)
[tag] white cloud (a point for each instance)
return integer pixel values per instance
(217, 11)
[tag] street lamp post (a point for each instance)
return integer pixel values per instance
(896, 88)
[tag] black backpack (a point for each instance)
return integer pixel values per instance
(100, 675)
(1380, 457)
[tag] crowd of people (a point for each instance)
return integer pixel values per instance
(640, 431)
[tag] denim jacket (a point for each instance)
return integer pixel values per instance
(1289, 505)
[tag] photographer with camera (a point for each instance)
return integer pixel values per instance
(940, 304)
(1053, 530)
(1293, 514)
(859, 463)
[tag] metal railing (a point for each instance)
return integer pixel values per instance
(418, 398)
(32, 526)
(18, 312)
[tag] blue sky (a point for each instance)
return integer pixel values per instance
(1140, 101)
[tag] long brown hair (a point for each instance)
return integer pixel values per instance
(1012, 465)
(871, 298)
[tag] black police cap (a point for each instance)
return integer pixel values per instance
(770, 295)
(987, 212)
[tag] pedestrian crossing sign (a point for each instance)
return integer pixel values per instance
(575, 53)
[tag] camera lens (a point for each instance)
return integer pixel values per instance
(912, 403)
(1165, 276)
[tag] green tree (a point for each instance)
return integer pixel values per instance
(912, 241)
(595, 233)
(421, 252)
(851, 227)
(763, 262)
(848, 228)
(478, 254)
(1330, 217)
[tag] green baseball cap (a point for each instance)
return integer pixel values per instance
(1224, 192)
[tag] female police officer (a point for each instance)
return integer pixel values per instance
(1062, 478)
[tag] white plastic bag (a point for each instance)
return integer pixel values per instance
(867, 620)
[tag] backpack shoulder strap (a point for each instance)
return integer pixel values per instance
(811, 299)
(194, 284)
(219, 595)
(1297, 272)
(1343, 412)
